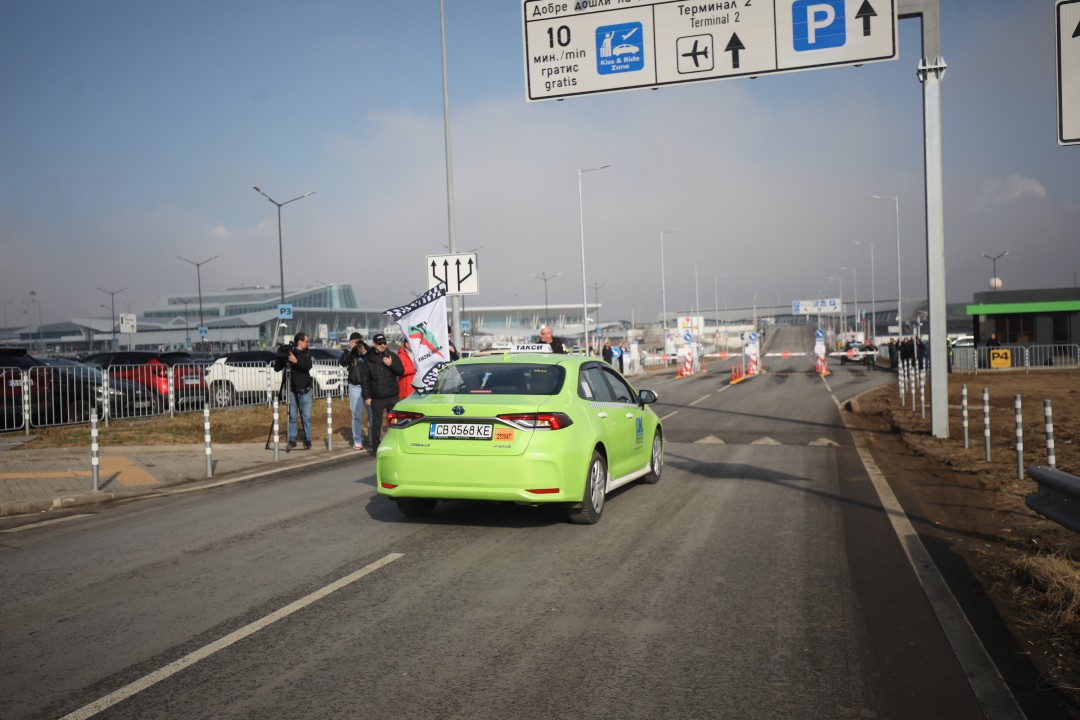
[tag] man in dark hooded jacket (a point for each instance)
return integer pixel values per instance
(379, 375)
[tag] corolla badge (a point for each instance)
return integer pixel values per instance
(458, 410)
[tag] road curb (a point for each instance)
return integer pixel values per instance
(30, 507)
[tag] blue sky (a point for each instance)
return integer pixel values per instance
(134, 131)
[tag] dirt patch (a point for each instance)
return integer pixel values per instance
(1015, 572)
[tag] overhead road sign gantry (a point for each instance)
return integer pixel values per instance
(1068, 70)
(582, 47)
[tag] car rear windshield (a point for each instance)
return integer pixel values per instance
(501, 379)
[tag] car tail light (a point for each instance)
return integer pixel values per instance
(399, 419)
(389, 486)
(538, 421)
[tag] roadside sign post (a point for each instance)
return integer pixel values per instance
(1068, 71)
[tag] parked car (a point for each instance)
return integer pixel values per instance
(152, 369)
(856, 352)
(242, 375)
(82, 387)
(248, 375)
(15, 380)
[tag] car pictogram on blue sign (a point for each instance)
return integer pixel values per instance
(618, 48)
(818, 24)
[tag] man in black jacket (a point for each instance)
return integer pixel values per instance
(300, 385)
(353, 360)
(380, 372)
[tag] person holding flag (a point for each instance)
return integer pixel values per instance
(379, 372)
(423, 322)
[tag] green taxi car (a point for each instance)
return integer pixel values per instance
(525, 426)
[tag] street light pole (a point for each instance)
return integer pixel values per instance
(899, 290)
(545, 277)
(596, 297)
(187, 320)
(663, 284)
(584, 283)
(873, 307)
(855, 274)
(112, 299)
(281, 255)
(995, 281)
(198, 276)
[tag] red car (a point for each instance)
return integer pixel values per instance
(152, 369)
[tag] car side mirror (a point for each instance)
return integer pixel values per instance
(645, 397)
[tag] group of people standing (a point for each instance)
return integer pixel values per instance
(378, 378)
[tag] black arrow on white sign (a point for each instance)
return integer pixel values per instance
(866, 12)
(734, 46)
(468, 275)
(1076, 32)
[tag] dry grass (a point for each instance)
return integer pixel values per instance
(228, 425)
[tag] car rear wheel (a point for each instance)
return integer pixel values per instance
(415, 507)
(222, 394)
(656, 461)
(592, 504)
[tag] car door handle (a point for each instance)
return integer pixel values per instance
(601, 415)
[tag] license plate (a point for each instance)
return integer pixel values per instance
(459, 431)
(142, 404)
(191, 381)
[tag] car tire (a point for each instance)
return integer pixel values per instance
(415, 507)
(222, 394)
(592, 503)
(656, 461)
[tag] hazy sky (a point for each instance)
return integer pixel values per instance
(134, 130)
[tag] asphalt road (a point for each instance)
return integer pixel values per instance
(760, 578)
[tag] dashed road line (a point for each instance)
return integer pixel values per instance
(88, 711)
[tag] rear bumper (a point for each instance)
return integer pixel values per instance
(501, 479)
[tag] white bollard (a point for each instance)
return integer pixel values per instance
(94, 461)
(329, 422)
(986, 422)
(1019, 440)
(277, 427)
(1048, 414)
(206, 439)
(964, 413)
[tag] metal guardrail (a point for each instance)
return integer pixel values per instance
(1058, 496)
(1027, 357)
(46, 396)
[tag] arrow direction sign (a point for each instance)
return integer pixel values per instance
(582, 48)
(865, 13)
(464, 279)
(1068, 71)
(734, 46)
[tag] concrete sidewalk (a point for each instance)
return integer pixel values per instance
(37, 480)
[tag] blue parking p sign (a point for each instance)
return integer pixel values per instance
(818, 24)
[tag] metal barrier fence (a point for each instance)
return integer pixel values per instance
(44, 396)
(1026, 357)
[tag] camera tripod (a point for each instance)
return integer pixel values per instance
(286, 391)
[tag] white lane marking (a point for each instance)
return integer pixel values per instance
(43, 523)
(983, 676)
(206, 651)
(665, 417)
(703, 397)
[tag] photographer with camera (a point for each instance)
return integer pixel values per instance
(380, 372)
(353, 359)
(296, 360)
